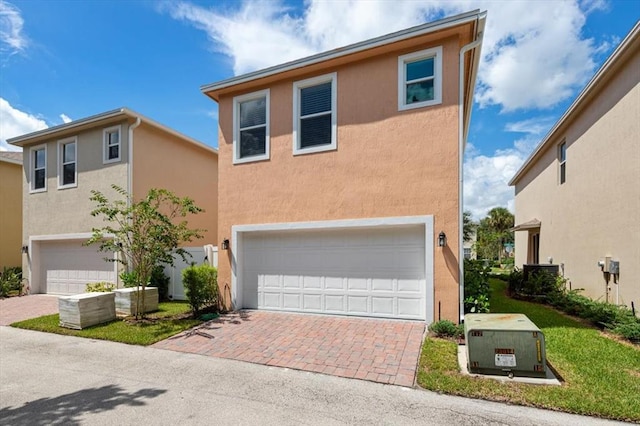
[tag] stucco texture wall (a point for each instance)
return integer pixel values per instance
(10, 214)
(162, 160)
(595, 212)
(387, 163)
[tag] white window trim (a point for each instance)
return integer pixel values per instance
(333, 78)
(435, 53)
(61, 144)
(236, 127)
(105, 141)
(32, 171)
(562, 162)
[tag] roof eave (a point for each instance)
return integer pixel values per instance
(595, 80)
(347, 50)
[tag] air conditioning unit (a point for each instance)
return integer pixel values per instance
(504, 344)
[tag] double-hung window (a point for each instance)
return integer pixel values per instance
(314, 114)
(111, 145)
(420, 79)
(251, 127)
(38, 161)
(67, 163)
(562, 160)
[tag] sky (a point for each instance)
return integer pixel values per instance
(66, 60)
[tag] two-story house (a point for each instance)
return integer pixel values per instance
(62, 164)
(340, 176)
(577, 196)
(10, 209)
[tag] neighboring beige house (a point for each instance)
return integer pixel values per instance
(578, 195)
(339, 171)
(10, 209)
(63, 164)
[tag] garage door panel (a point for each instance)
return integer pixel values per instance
(66, 267)
(348, 271)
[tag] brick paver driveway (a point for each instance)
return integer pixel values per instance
(378, 350)
(14, 309)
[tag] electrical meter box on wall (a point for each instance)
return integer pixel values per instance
(504, 344)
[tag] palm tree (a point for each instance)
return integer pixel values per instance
(500, 220)
(468, 226)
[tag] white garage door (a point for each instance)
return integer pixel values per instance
(67, 267)
(364, 272)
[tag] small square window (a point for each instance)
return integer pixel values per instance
(314, 114)
(111, 145)
(251, 127)
(420, 79)
(38, 175)
(67, 163)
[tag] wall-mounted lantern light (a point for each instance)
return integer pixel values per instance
(25, 249)
(442, 239)
(225, 244)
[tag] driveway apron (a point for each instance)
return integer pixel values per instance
(378, 350)
(13, 309)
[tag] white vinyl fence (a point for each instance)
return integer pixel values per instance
(199, 255)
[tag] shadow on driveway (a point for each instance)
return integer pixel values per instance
(67, 409)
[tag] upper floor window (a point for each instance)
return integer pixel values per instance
(111, 145)
(420, 79)
(38, 160)
(562, 159)
(314, 114)
(251, 127)
(67, 160)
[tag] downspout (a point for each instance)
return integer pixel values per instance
(462, 139)
(129, 171)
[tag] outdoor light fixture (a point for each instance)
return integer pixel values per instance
(225, 244)
(25, 249)
(442, 239)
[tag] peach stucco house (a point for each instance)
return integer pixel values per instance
(63, 164)
(338, 172)
(578, 195)
(10, 209)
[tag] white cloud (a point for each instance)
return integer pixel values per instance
(65, 118)
(486, 177)
(534, 54)
(14, 122)
(12, 38)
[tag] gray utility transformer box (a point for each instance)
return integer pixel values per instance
(504, 344)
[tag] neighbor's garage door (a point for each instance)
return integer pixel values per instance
(67, 267)
(365, 272)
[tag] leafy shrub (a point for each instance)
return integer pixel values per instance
(630, 331)
(129, 279)
(478, 305)
(10, 281)
(100, 287)
(160, 280)
(477, 291)
(446, 328)
(201, 286)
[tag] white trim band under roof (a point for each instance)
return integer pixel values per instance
(350, 49)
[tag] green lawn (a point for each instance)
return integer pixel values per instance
(601, 377)
(168, 320)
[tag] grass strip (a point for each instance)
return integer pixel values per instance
(601, 377)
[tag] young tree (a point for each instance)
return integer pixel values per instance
(493, 232)
(144, 233)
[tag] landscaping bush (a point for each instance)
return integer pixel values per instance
(476, 287)
(100, 287)
(129, 279)
(630, 331)
(446, 328)
(160, 280)
(10, 281)
(201, 286)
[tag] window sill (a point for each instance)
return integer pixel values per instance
(405, 107)
(252, 159)
(115, 160)
(314, 149)
(36, 191)
(69, 186)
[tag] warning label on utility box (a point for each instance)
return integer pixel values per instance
(505, 360)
